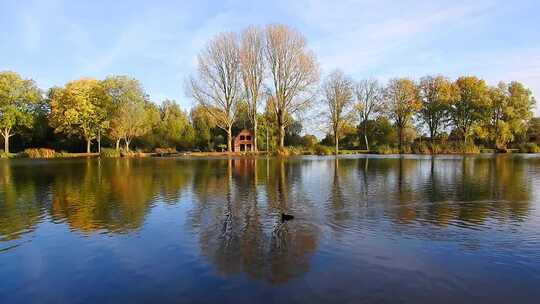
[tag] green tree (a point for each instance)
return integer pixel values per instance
(174, 127)
(18, 100)
(132, 120)
(122, 90)
(436, 93)
(80, 109)
(533, 132)
(203, 124)
(470, 105)
(401, 102)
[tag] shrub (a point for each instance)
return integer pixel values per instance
(282, 151)
(137, 153)
(529, 148)
(469, 148)
(386, 149)
(3, 154)
(421, 148)
(165, 151)
(110, 153)
(39, 153)
(323, 150)
(295, 150)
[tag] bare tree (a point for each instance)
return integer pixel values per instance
(337, 92)
(252, 67)
(218, 85)
(369, 99)
(294, 72)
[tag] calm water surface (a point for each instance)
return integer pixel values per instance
(383, 230)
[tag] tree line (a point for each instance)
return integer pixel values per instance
(267, 80)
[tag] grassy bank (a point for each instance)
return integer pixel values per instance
(420, 149)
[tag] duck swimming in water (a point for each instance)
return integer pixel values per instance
(286, 217)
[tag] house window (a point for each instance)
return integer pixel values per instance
(242, 137)
(248, 137)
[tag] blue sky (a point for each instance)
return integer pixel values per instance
(54, 41)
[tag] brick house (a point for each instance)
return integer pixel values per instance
(243, 142)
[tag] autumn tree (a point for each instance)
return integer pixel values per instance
(132, 120)
(337, 91)
(436, 93)
(369, 99)
(122, 90)
(510, 111)
(218, 85)
(80, 109)
(470, 105)
(401, 102)
(252, 67)
(294, 74)
(18, 99)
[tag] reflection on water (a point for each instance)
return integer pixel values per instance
(452, 226)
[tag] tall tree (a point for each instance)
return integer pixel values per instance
(510, 111)
(203, 124)
(369, 98)
(218, 86)
(80, 109)
(436, 93)
(470, 104)
(402, 102)
(121, 91)
(337, 92)
(18, 100)
(252, 66)
(294, 74)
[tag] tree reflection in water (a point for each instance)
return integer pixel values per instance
(234, 204)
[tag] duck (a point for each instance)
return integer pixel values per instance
(286, 217)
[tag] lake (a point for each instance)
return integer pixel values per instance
(177, 230)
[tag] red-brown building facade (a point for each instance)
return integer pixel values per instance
(243, 142)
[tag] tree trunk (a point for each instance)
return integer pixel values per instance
(229, 139)
(281, 131)
(6, 136)
(400, 141)
(117, 145)
(336, 140)
(281, 136)
(365, 135)
(88, 145)
(99, 142)
(127, 141)
(255, 148)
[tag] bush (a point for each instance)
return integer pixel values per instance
(295, 150)
(137, 153)
(3, 154)
(421, 148)
(39, 153)
(323, 150)
(165, 151)
(386, 149)
(469, 148)
(109, 153)
(529, 148)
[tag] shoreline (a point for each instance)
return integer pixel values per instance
(66, 155)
